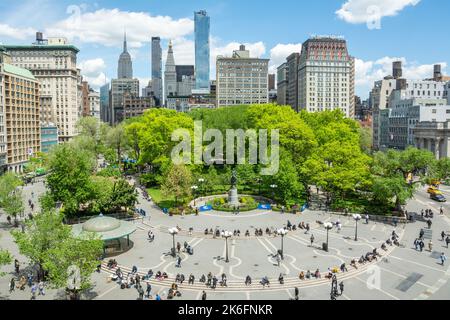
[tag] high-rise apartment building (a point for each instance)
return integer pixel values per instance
(202, 50)
(282, 83)
(242, 79)
(105, 111)
(2, 115)
(20, 126)
(326, 76)
(157, 86)
(54, 63)
(292, 64)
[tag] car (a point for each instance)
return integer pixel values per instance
(438, 198)
(434, 190)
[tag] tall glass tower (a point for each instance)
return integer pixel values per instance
(202, 50)
(157, 69)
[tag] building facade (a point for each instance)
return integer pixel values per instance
(3, 145)
(54, 63)
(125, 65)
(49, 136)
(326, 76)
(242, 79)
(282, 83)
(120, 87)
(134, 106)
(21, 116)
(157, 86)
(170, 75)
(202, 49)
(434, 137)
(94, 104)
(105, 109)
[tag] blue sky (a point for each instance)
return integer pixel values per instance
(414, 31)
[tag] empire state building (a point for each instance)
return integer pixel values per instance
(125, 69)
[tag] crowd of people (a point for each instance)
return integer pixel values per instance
(24, 279)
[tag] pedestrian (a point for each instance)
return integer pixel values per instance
(312, 240)
(179, 262)
(443, 235)
(341, 287)
(296, 293)
(203, 295)
(278, 259)
(148, 290)
(178, 247)
(30, 279)
(307, 228)
(367, 219)
(421, 234)
(422, 213)
(33, 292)
(140, 292)
(8, 218)
(430, 246)
(12, 285)
(16, 266)
(41, 288)
(447, 241)
(422, 245)
(158, 297)
(443, 258)
(429, 223)
(441, 211)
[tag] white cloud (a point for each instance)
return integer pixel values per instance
(93, 66)
(93, 71)
(16, 33)
(367, 72)
(280, 52)
(106, 27)
(362, 11)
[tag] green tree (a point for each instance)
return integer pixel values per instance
(123, 195)
(69, 180)
(73, 254)
(5, 259)
(393, 168)
(51, 246)
(178, 183)
(116, 140)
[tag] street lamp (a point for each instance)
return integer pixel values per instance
(273, 186)
(226, 235)
(201, 181)
(328, 226)
(357, 217)
(173, 232)
(194, 189)
(282, 233)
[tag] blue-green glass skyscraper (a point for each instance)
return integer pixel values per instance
(202, 50)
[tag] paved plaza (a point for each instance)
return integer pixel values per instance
(400, 273)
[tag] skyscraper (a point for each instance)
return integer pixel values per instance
(202, 50)
(157, 69)
(125, 69)
(326, 76)
(170, 75)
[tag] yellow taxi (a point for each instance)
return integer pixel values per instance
(434, 191)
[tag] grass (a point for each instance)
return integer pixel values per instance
(160, 200)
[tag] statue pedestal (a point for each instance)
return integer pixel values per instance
(233, 199)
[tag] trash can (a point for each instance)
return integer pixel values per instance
(325, 247)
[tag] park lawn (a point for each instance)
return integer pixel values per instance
(160, 200)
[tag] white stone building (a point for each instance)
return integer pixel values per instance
(94, 104)
(242, 79)
(326, 76)
(54, 63)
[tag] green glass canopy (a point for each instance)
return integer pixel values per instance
(107, 228)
